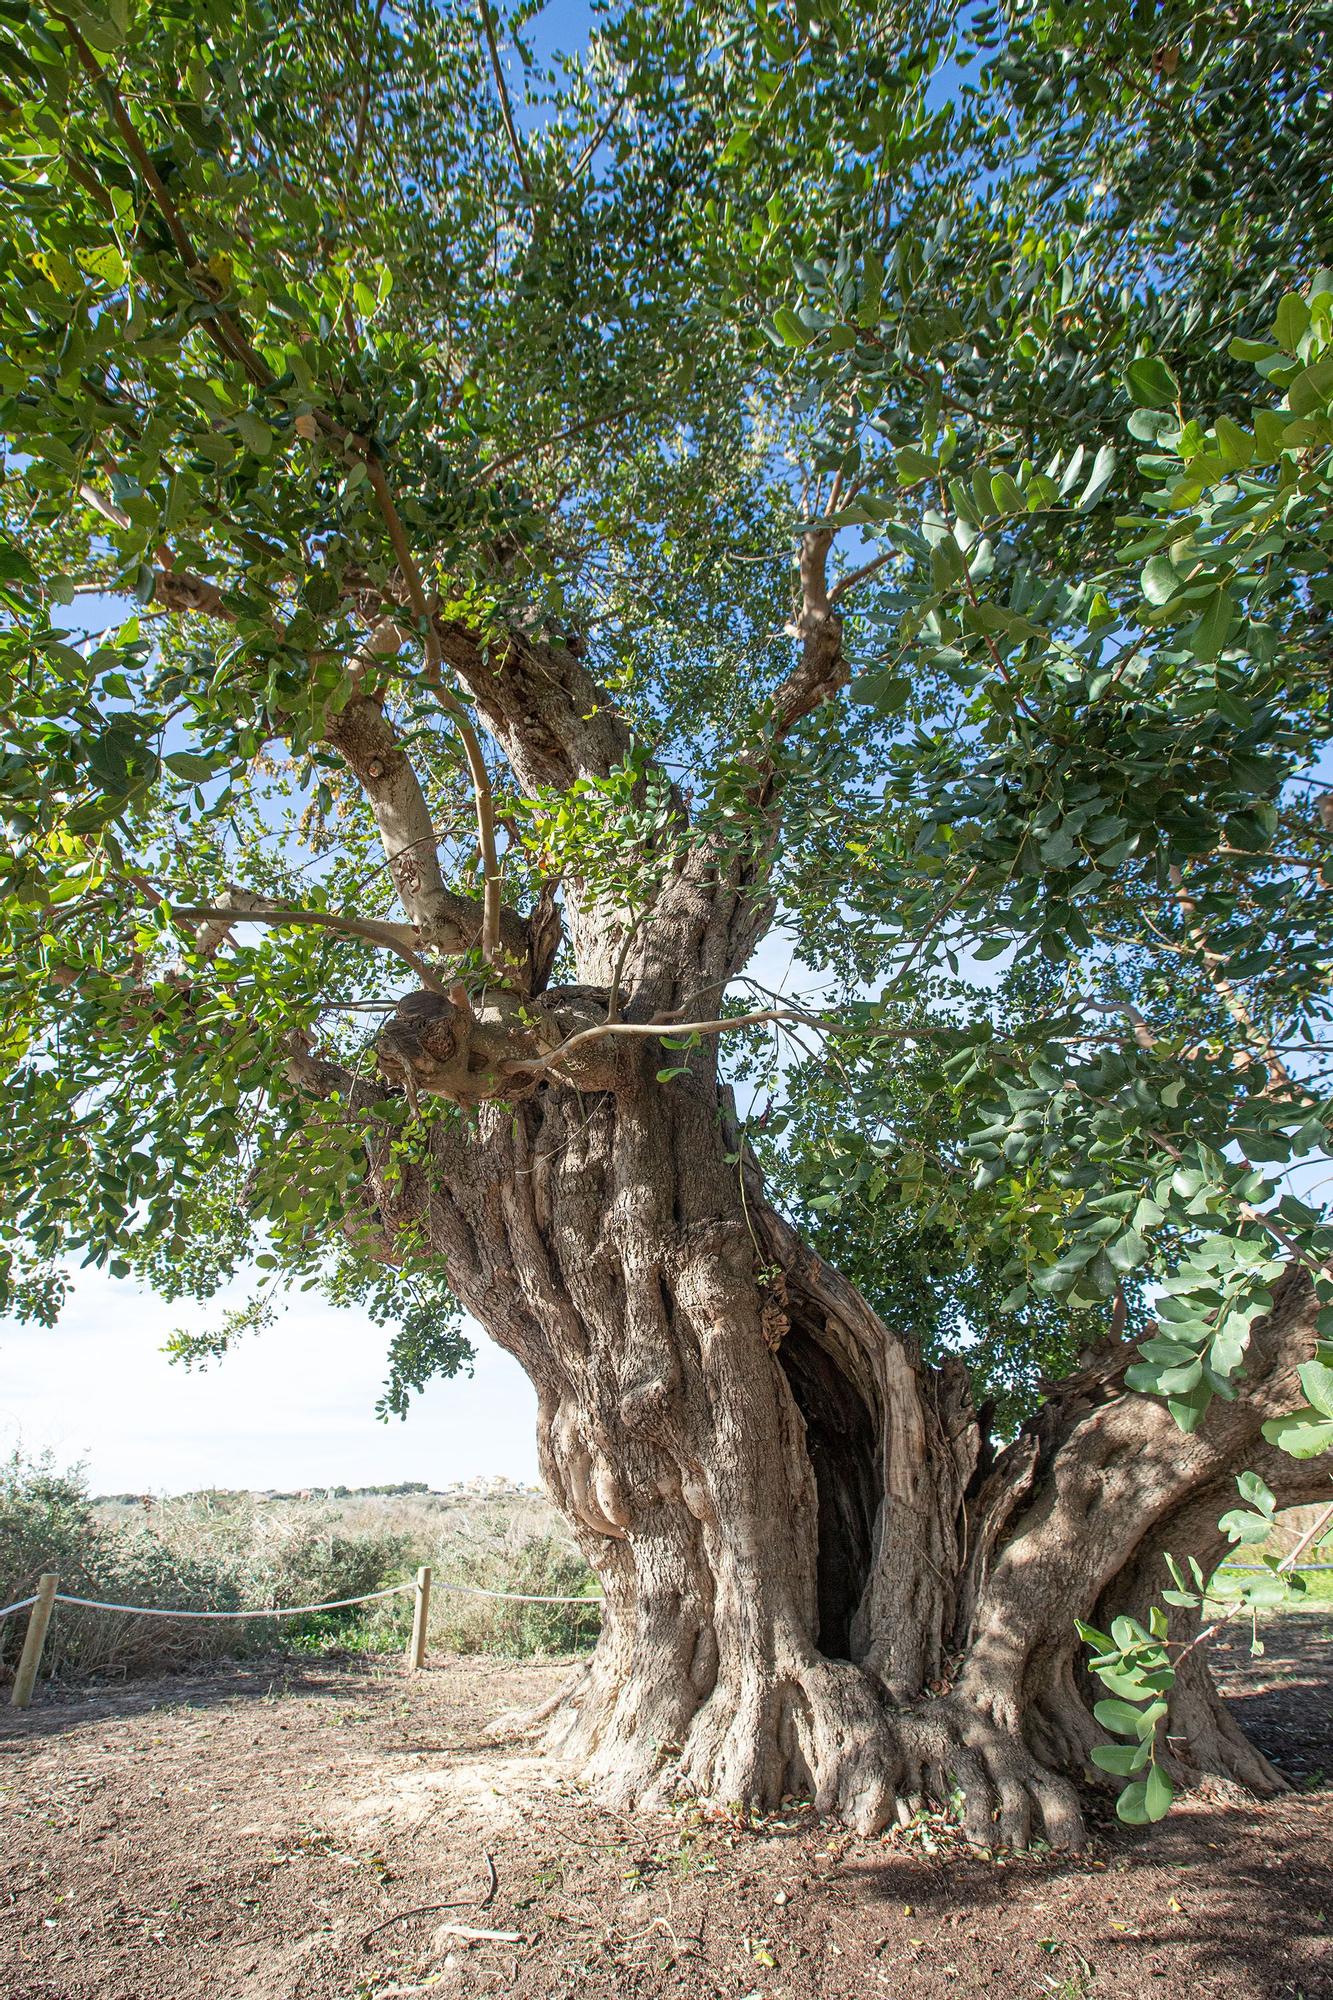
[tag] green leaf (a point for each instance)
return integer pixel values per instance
(1292, 322)
(186, 764)
(1118, 1717)
(1150, 1718)
(1158, 1794)
(1132, 1805)
(1179, 1381)
(1151, 384)
(105, 263)
(1303, 1434)
(1309, 392)
(14, 565)
(1214, 624)
(1189, 1412)
(1159, 580)
(887, 693)
(1250, 350)
(1236, 446)
(1120, 1758)
(1103, 470)
(912, 466)
(790, 330)
(1317, 1382)
(1253, 1489)
(1127, 1252)
(1131, 1687)
(255, 433)
(56, 268)
(1241, 1526)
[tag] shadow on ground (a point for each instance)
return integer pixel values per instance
(272, 1832)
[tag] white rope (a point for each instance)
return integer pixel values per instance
(301, 1610)
(1262, 1569)
(273, 1611)
(395, 1589)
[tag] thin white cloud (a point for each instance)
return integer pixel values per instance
(294, 1407)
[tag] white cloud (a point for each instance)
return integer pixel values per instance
(292, 1407)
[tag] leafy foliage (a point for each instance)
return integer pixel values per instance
(1020, 321)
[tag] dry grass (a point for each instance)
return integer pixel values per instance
(226, 1551)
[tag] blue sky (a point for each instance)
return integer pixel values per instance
(292, 1407)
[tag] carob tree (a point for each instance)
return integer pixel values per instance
(514, 457)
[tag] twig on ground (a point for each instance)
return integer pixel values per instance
(459, 1903)
(493, 1937)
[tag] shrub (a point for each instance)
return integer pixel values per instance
(223, 1551)
(48, 1522)
(504, 1555)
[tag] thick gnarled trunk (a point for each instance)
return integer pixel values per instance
(815, 1583)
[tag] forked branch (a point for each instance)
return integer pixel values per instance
(229, 336)
(822, 667)
(368, 743)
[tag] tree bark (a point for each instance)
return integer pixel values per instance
(815, 1583)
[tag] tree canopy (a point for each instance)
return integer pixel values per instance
(346, 346)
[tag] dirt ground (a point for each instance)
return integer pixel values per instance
(268, 1833)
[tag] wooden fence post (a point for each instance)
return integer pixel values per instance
(416, 1648)
(31, 1657)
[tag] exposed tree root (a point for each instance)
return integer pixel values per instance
(823, 1730)
(799, 1534)
(1008, 1796)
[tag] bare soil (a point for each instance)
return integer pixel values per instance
(248, 1834)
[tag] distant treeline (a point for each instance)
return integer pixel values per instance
(224, 1549)
(220, 1494)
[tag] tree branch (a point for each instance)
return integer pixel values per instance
(1214, 964)
(867, 570)
(509, 458)
(226, 334)
(503, 90)
(822, 669)
(672, 1024)
(367, 78)
(174, 589)
(241, 906)
(476, 763)
(541, 704)
(368, 743)
(589, 151)
(553, 721)
(713, 909)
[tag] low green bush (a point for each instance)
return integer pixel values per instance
(225, 1551)
(48, 1522)
(496, 1557)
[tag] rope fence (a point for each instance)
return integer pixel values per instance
(48, 1595)
(269, 1611)
(1257, 1569)
(45, 1598)
(303, 1610)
